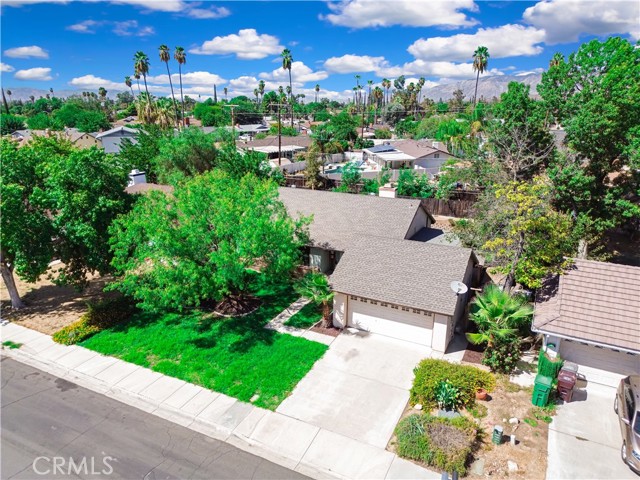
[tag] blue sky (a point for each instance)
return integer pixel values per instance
(83, 45)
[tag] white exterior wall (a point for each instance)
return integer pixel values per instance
(340, 304)
(442, 332)
(319, 258)
(429, 161)
(599, 365)
(420, 220)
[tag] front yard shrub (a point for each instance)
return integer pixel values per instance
(467, 379)
(503, 356)
(448, 396)
(438, 442)
(99, 316)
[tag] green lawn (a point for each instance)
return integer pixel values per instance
(235, 356)
(308, 316)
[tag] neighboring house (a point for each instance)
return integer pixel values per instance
(590, 315)
(419, 154)
(78, 138)
(111, 139)
(289, 146)
(252, 129)
(386, 279)
(82, 139)
(402, 289)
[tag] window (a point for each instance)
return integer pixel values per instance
(384, 305)
(394, 307)
(405, 309)
(373, 302)
(437, 155)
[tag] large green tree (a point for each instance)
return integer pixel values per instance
(174, 252)
(57, 203)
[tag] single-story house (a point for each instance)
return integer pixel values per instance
(421, 154)
(111, 139)
(78, 138)
(340, 218)
(402, 289)
(289, 146)
(590, 315)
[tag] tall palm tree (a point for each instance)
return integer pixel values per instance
(181, 57)
(498, 316)
(369, 83)
(556, 60)
(127, 82)
(32, 98)
(421, 82)
(480, 64)
(317, 89)
(4, 100)
(315, 287)
(357, 77)
(225, 92)
(261, 86)
(386, 83)
(165, 56)
(141, 66)
(102, 92)
(287, 60)
(136, 75)
(256, 92)
(51, 91)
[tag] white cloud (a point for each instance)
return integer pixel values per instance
(413, 13)
(26, 52)
(130, 28)
(245, 85)
(355, 63)
(6, 68)
(564, 21)
(504, 41)
(191, 78)
(441, 70)
(39, 74)
(300, 73)
(207, 13)
(86, 26)
(92, 82)
(246, 45)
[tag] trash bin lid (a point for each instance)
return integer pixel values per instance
(570, 366)
(543, 380)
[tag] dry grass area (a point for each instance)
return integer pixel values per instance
(530, 452)
(48, 306)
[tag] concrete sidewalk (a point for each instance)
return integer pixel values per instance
(279, 438)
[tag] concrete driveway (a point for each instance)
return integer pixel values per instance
(359, 388)
(584, 438)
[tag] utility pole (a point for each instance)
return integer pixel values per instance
(279, 130)
(233, 121)
(4, 100)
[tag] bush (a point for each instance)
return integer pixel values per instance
(503, 356)
(438, 442)
(430, 372)
(99, 316)
(382, 133)
(10, 123)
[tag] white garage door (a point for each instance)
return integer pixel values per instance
(392, 322)
(600, 365)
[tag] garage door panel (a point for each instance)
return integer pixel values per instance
(600, 365)
(396, 323)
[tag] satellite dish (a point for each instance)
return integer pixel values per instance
(458, 287)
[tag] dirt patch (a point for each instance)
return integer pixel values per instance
(237, 306)
(530, 452)
(473, 354)
(331, 331)
(50, 307)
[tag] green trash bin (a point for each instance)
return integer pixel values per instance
(541, 390)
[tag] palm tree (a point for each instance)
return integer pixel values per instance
(51, 91)
(256, 92)
(386, 83)
(32, 98)
(369, 83)
(261, 86)
(317, 89)
(225, 92)
(102, 92)
(181, 57)
(421, 82)
(165, 56)
(127, 82)
(556, 60)
(498, 316)
(480, 64)
(136, 75)
(141, 66)
(315, 287)
(287, 60)
(9, 93)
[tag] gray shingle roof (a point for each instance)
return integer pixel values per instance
(402, 272)
(339, 218)
(594, 301)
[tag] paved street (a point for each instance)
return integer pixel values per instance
(45, 416)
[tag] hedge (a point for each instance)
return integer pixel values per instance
(430, 372)
(99, 316)
(439, 442)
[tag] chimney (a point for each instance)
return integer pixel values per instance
(136, 177)
(435, 144)
(387, 191)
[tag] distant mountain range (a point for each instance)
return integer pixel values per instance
(488, 87)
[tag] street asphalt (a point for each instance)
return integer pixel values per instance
(52, 428)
